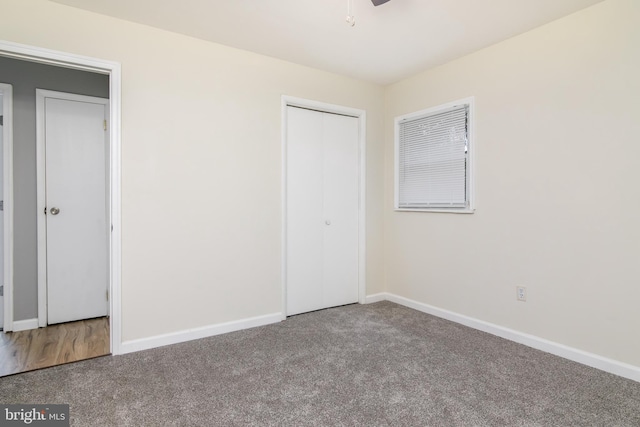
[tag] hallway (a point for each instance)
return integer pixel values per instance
(54, 345)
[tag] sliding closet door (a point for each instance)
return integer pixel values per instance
(322, 210)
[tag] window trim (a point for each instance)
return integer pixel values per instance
(470, 208)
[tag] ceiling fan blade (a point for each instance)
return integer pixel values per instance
(378, 2)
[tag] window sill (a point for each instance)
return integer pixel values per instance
(437, 210)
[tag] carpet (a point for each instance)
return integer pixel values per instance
(359, 365)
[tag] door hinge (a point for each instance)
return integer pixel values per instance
(107, 294)
(105, 125)
(1, 290)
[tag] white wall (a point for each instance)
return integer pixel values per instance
(557, 188)
(200, 164)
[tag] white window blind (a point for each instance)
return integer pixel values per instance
(433, 160)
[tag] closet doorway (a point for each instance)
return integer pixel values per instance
(324, 206)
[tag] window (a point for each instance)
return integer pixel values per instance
(434, 150)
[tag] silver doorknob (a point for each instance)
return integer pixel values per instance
(327, 222)
(55, 211)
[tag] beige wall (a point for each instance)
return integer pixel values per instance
(200, 164)
(557, 121)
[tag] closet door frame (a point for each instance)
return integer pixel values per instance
(289, 101)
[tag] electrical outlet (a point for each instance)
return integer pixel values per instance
(521, 293)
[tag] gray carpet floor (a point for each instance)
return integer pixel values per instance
(360, 365)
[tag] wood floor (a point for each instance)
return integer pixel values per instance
(54, 345)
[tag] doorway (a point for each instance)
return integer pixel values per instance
(1, 210)
(113, 241)
(323, 205)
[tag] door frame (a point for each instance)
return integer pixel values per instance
(41, 180)
(113, 70)
(7, 150)
(361, 115)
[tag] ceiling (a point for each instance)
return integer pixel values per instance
(388, 42)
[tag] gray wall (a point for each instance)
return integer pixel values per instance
(25, 78)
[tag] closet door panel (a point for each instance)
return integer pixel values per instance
(305, 247)
(341, 175)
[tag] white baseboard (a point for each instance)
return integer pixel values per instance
(369, 299)
(197, 333)
(595, 361)
(25, 325)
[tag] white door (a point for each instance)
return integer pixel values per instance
(322, 210)
(75, 145)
